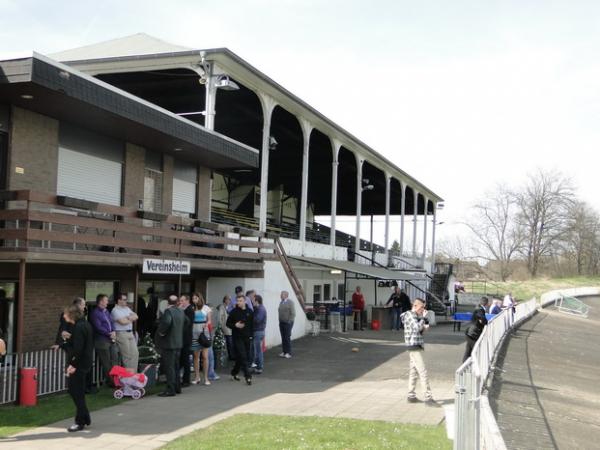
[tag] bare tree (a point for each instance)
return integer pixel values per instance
(496, 230)
(581, 242)
(544, 205)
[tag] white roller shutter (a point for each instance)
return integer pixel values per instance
(184, 196)
(89, 177)
(185, 178)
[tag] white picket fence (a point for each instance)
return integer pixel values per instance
(50, 365)
(475, 425)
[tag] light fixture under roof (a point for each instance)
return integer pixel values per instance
(226, 83)
(27, 96)
(177, 149)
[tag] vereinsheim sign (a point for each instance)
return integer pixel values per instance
(166, 266)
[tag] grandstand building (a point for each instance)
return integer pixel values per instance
(135, 164)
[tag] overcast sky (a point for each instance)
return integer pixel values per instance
(459, 94)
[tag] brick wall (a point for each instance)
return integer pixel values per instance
(203, 196)
(33, 147)
(168, 170)
(44, 301)
(134, 175)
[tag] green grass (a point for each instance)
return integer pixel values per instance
(250, 431)
(50, 409)
(524, 290)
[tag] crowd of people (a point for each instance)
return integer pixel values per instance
(183, 329)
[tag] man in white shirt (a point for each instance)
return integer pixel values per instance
(123, 318)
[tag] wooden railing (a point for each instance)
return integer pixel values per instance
(35, 222)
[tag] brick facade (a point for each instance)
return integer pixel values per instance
(44, 301)
(33, 147)
(133, 184)
(203, 195)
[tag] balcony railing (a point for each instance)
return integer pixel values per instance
(46, 224)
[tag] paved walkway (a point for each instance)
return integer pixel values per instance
(324, 378)
(546, 394)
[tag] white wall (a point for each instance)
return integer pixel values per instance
(269, 287)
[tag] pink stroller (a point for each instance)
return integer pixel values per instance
(128, 384)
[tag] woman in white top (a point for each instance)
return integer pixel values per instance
(202, 321)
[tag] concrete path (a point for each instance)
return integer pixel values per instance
(324, 378)
(546, 394)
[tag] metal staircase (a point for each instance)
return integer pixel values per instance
(291, 275)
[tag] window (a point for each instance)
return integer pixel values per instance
(327, 291)
(317, 293)
(340, 291)
(93, 288)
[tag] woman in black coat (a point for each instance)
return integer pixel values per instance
(79, 357)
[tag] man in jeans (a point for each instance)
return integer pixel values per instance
(415, 324)
(260, 323)
(287, 314)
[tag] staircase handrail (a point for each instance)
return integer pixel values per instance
(289, 271)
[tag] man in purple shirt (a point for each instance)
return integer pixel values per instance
(104, 336)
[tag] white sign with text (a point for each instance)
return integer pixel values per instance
(166, 266)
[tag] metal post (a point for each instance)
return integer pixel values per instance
(388, 195)
(358, 204)
(402, 213)
(344, 310)
(372, 246)
(21, 306)
(415, 213)
(334, 181)
(306, 130)
(268, 105)
(425, 215)
(433, 236)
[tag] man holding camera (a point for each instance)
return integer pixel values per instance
(415, 324)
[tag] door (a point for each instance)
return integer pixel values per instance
(8, 311)
(3, 159)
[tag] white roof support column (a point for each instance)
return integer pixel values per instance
(211, 95)
(388, 180)
(306, 130)
(433, 234)
(425, 216)
(415, 211)
(402, 213)
(336, 145)
(268, 105)
(359, 164)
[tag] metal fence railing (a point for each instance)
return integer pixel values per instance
(474, 422)
(50, 365)
(572, 305)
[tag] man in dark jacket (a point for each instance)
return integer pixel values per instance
(184, 359)
(475, 328)
(240, 321)
(80, 354)
(170, 340)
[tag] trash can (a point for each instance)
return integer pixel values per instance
(28, 386)
(375, 324)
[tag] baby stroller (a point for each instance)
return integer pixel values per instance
(128, 384)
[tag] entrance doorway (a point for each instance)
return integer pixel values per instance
(3, 154)
(8, 313)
